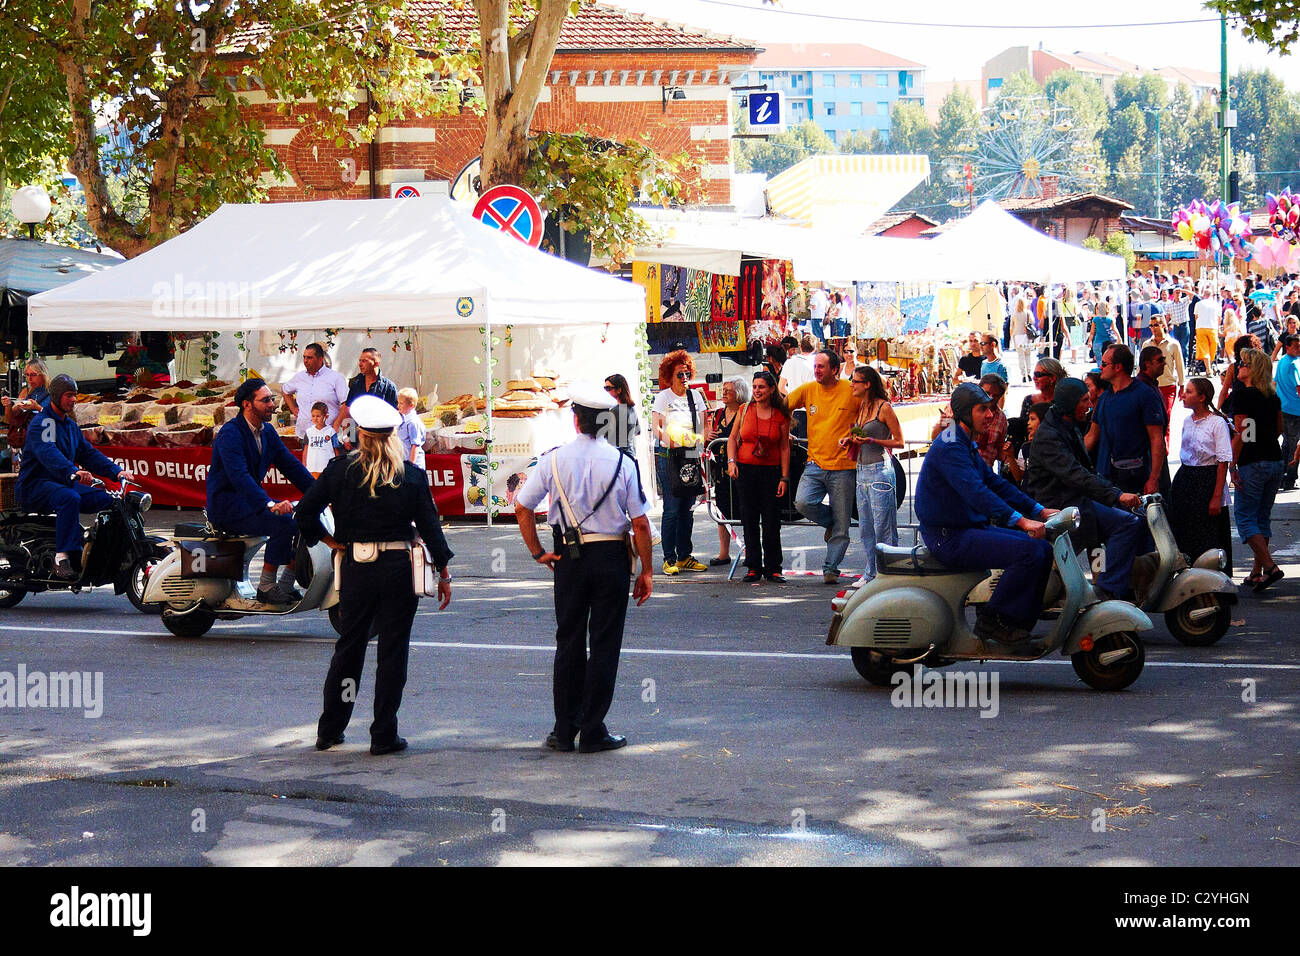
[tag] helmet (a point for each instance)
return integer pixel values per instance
(964, 398)
(60, 384)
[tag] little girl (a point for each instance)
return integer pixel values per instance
(322, 441)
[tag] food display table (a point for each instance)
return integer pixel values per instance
(459, 483)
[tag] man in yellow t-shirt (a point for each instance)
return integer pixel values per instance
(830, 471)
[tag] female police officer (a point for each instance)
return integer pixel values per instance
(375, 495)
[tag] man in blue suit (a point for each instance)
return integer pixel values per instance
(242, 453)
(57, 464)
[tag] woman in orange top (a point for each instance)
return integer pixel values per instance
(758, 453)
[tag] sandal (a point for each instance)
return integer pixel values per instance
(1270, 579)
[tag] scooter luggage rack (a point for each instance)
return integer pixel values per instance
(714, 456)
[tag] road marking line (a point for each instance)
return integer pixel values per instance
(659, 651)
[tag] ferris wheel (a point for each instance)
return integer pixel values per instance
(1018, 141)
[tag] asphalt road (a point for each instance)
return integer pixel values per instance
(751, 741)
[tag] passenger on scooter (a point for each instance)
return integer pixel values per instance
(56, 460)
(1061, 475)
(242, 453)
(967, 515)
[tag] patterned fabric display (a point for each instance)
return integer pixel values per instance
(723, 308)
(877, 313)
(751, 291)
(646, 275)
(773, 309)
(672, 293)
(699, 291)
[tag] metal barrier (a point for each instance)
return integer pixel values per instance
(726, 512)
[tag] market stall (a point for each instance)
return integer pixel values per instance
(470, 307)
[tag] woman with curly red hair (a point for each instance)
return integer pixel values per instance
(677, 407)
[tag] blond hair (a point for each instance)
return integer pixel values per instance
(410, 394)
(380, 458)
(1261, 370)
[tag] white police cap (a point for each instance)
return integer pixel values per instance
(591, 395)
(374, 414)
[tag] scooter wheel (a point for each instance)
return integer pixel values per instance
(137, 578)
(195, 624)
(1113, 676)
(1203, 632)
(11, 596)
(875, 667)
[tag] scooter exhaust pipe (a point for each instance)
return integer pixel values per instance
(912, 660)
(1201, 613)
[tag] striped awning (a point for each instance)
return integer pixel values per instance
(845, 192)
(30, 267)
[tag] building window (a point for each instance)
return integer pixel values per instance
(855, 79)
(830, 108)
(855, 109)
(828, 79)
(882, 107)
(796, 80)
(882, 79)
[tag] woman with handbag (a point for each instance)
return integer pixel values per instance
(876, 429)
(735, 393)
(375, 496)
(758, 458)
(680, 421)
(19, 411)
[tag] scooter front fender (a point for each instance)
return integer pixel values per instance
(166, 586)
(1193, 582)
(1105, 617)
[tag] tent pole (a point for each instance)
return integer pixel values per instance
(487, 448)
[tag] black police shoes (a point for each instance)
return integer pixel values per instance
(324, 743)
(396, 745)
(555, 743)
(607, 742)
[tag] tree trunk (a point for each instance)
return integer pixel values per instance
(514, 73)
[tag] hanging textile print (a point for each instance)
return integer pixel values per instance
(750, 291)
(672, 293)
(723, 306)
(773, 309)
(878, 315)
(665, 337)
(916, 312)
(722, 336)
(646, 275)
(699, 292)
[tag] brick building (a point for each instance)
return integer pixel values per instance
(1069, 217)
(612, 75)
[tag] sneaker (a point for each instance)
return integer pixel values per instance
(690, 564)
(776, 577)
(670, 568)
(752, 577)
(279, 594)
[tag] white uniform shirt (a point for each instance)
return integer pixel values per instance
(586, 466)
(326, 386)
(797, 371)
(1208, 314)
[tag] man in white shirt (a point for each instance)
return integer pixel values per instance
(1208, 315)
(798, 369)
(818, 304)
(316, 383)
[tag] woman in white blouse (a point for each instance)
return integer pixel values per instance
(1198, 500)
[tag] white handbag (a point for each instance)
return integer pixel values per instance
(424, 574)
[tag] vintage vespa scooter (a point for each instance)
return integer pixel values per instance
(1197, 600)
(205, 578)
(915, 612)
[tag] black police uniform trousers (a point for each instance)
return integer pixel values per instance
(374, 598)
(591, 595)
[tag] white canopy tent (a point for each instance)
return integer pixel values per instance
(367, 265)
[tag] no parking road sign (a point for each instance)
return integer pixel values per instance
(513, 211)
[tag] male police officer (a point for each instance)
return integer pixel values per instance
(596, 496)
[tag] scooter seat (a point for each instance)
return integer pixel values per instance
(914, 560)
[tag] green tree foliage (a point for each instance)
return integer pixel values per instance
(909, 129)
(859, 143)
(1275, 23)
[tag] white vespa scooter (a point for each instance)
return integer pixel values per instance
(206, 578)
(914, 611)
(1197, 600)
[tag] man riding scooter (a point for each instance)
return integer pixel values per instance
(967, 515)
(1060, 474)
(57, 462)
(242, 453)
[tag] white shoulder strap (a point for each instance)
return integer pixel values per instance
(564, 499)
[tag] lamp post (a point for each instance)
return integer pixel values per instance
(1225, 128)
(1157, 113)
(30, 205)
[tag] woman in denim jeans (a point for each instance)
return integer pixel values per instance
(677, 409)
(1258, 468)
(877, 428)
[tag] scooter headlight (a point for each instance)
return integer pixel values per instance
(141, 499)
